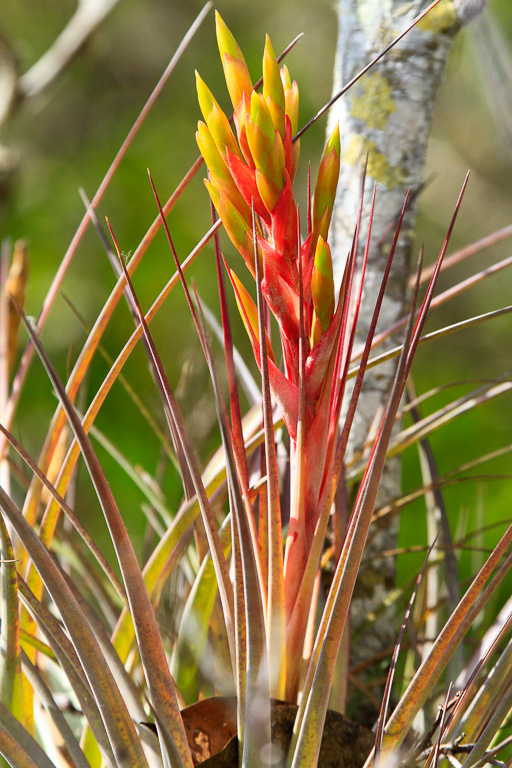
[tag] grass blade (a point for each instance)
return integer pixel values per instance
(252, 656)
(189, 650)
(68, 256)
(99, 398)
(306, 587)
(137, 479)
(491, 691)
(117, 721)
(17, 745)
(446, 295)
(11, 693)
(45, 697)
(441, 333)
(469, 250)
(106, 568)
(234, 399)
(276, 618)
(316, 693)
(310, 718)
(392, 668)
(470, 605)
(150, 645)
(172, 412)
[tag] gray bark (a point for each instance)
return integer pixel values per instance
(387, 114)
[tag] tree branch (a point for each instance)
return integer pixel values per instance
(88, 15)
(387, 114)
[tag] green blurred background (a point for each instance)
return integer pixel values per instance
(67, 137)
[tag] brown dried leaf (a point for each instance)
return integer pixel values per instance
(15, 286)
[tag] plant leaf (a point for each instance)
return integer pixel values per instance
(11, 690)
(45, 697)
(18, 747)
(149, 640)
(114, 718)
(189, 649)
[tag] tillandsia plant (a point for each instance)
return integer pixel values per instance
(249, 544)
(251, 187)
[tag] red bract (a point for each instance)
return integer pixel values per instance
(257, 173)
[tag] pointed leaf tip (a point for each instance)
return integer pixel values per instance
(215, 119)
(325, 189)
(334, 141)
(273, 90)
(225, 38)
(238, 79)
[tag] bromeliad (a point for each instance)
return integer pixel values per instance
(254, 171)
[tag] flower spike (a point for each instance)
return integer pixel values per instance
(256, 174)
